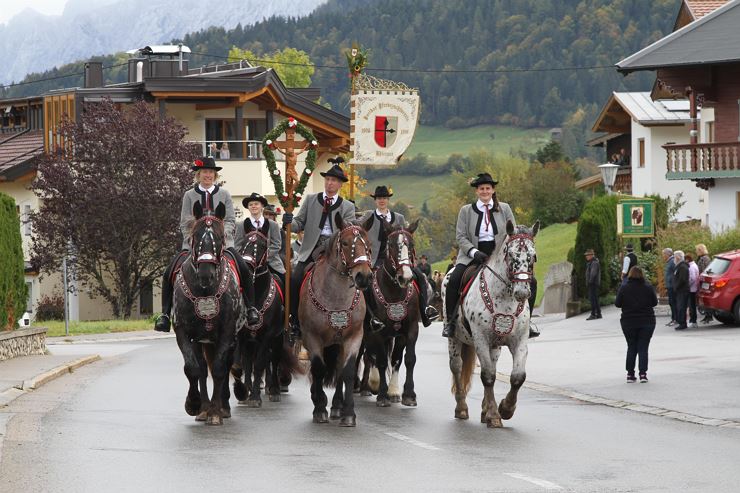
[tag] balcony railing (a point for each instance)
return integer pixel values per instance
(694, 161)
(237, 149)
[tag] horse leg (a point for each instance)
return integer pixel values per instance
(487, 358)
(366, 367)
(192, 372)
(203, 362)
(220, 364)
(455, 349)
(381, 361)
(518, 376)
(337, 401)
(358, 382)
(348, 410)
(225, 393)
(409, 395)
(260, 356)
(318, 396)
(275, 355)
(396, 358)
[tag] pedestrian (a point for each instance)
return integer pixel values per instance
(593, 282)
(702, 261)
(670, 268)
(693, 289)
(637, 298)
(424, 266)
(681, 288)
(629, 261)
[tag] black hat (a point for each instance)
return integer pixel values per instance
(270, 209)
(382, 191)
(629, 247)
(482, 179)
(590, 251)
(336, 171)
(254, 197)
(206, 162)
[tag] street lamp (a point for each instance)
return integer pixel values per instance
(609, 175)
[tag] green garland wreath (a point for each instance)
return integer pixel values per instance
(268, 146)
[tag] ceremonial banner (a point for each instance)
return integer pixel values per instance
(635, 218)
(384, 118)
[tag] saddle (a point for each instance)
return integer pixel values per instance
(471, 271)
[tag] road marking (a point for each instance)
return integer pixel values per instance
(548, 485)
(410, 440)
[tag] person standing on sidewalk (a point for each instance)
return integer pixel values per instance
(681, 288)
(629, 261)
(693, 290)
(670, 269)
(702, 261)
(637, 298)
(593, 281)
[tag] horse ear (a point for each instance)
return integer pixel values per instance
(368, 223)
(221, 211)
(509, 227)
(536, 228)
(197, 210)
(339, 222)
(412, 229)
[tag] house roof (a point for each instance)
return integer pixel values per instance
(700, 8)
(18, 152)
(591, 181)
(643, 110)
(712, 39)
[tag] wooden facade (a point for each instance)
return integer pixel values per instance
(56, 107)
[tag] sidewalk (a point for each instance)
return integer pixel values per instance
(694, 374)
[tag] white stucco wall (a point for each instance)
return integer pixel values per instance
(723, 203)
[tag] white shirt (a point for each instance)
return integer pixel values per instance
(327, 231)
(209, 190)
(386, 216)
(255, 221)
(483, 234)
(625, 265)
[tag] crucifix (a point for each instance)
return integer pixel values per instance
(291, 150)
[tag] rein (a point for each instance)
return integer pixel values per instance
(207, 307)
(356, 236)
(399, 261)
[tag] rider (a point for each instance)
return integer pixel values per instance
(209, 195)
(480, 227)
(317, 220)
(378, 247)
(258, 221)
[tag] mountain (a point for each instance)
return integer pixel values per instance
(32, 42)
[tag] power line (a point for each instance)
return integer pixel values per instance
(75, 74)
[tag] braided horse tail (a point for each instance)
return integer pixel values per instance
(468, 365)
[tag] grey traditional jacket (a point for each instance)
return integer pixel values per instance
(309, 220)
(468, 225)
(271, 229)
(220, 195)
(375, 234)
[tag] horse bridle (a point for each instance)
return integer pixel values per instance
(399, 262)
(356, 260)
(253, 260)
(209, 257)
(519, 276)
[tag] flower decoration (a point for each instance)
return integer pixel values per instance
(292, 122)
(314, 143)
(198, 162)
(390, 190)
(276, 172)
(268, 145)
(307, 171)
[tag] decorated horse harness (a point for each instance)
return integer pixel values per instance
(398, 310)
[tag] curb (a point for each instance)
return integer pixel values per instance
(34, 383)
(630, 406)
(103, 340)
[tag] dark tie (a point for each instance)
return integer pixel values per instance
(258, 224)
(208, 201)
(327, 203)
(487, 216)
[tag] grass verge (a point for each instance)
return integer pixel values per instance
(56, 327)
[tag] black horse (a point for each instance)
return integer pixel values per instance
(262, 347)
(207, 309)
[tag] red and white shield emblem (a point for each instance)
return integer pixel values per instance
(386, 129)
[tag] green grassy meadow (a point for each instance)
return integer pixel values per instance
(56, 327)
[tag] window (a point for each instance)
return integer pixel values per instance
(220, 131)
(146, 299)
(641, 143)
(26, 220)
(29, 299)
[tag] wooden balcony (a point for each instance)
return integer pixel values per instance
(702, 161)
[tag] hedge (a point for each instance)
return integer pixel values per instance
(12, 284)
(597, 229)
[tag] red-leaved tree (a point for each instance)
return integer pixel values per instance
(110, 201)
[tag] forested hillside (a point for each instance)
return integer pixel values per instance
(504, 48)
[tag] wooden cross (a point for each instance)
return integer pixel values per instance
(288, 148)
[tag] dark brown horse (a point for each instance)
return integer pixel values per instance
(331, 312)
(262, 347)
(397, 306)
(207, 309)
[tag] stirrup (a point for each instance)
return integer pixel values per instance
(163, 323)
(431, 313)
(449, 329)
(376, 325)
(534, 331)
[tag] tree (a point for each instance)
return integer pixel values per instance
(113, 205)
(551, 152)
(292, 66)
(13, 291)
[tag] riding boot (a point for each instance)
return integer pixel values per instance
(428, 313)
(163, 321)
(296, 279)
(449, 328)
(373, 322)
(247, 285)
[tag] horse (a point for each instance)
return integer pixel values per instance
(331, 313)
(494, 313)
(396, 297)
(208, 307)
(262, 346)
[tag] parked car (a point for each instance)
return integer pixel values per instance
(719, 293)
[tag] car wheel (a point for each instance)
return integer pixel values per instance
(736, 311)
(725, 318)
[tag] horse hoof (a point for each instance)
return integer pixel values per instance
(192, 407)
(506, 412)
(214, 421)
(335, 414)
(254, 403)
(202, 416)
(348, 421)
(395, 399)
(365, 393)
(320, 417)
(462, 414)
(274, 397)
(495, 423)
(409, 401)
(383, 402)
(226, 413)
(284, 389)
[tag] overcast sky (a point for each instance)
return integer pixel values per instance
(8, 8)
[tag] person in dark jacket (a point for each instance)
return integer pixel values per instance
(593, 281)
(681, 288)
(670, 269)
(637, 298)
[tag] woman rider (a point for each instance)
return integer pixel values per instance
(209, 195)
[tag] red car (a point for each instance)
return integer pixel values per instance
(719, 293)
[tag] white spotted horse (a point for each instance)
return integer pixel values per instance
(208, 307)
(494, 313)
(262, 347)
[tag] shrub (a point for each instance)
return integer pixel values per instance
(13, 291)
(50, 308)
(597, 229)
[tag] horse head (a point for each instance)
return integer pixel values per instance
(400, 251)
(520, 256)
(254, 250)
(351, 249)
(207, 240)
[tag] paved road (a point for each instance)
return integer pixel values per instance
(119, 425)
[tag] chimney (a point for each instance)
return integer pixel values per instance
(93, 74)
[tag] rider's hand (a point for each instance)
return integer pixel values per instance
(287, 218)
(480, 257)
